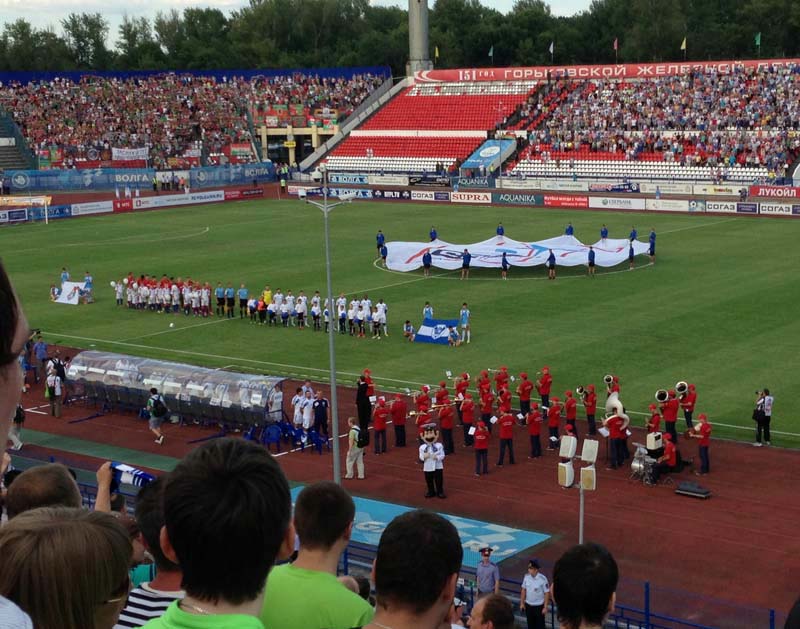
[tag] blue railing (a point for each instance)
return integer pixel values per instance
(625, 616)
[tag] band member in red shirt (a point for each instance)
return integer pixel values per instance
(462, 384)
(654, 423)
(421, 400)
(467, 417)
(423, 418)
(613, 387)
(446, 423)
(399, 410)
(370, 385)
(379, 418)
(506, 423)
(669, 411)
(524, 389)
(487, 405)
(571, 412)
(484, 384)
(534, 421)
(703, 432)
(543, 385)
(481, 437)
(503, 400)
(688, 402)
(501, 378)
(616, 430)
(553, 423)
(668, 462)
(590, 403)
(442, 394)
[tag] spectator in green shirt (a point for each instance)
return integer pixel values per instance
(227, 519)
(323, 518)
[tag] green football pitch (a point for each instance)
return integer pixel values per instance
(718, 309)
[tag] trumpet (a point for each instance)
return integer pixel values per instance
(662, 396)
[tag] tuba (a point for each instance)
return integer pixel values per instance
(580, 391)
(662, 396)
(681, 388)
(614, 407)
(608, 379)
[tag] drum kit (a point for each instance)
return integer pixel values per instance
(642, 465)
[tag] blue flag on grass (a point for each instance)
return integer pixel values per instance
(435, 331)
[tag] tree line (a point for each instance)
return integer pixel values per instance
(331, 33)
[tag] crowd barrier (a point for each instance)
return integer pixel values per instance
(99, 179)
(640, 604)
(565, 200)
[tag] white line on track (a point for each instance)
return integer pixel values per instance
(303, 371)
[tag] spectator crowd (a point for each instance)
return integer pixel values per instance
(173, 116)
(746, 118)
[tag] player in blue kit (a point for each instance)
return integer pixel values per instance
(384, 252)
(591, 261)
(633, 235)
(427, 311)
(219, 293)
(463, 320)
(500, 229)
(433, 234)
(630, 256)
(427, 259)
(243, 294)
(603, 232)
(466, 258)
(551, 266)
(569, 231)
(230, 301)
(652, 245)
(504, 267)
(380, 239)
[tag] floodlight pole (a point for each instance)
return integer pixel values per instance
(326, 209)
(580, 516)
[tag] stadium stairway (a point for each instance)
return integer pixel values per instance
(11, 157)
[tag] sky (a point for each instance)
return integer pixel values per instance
(49, 13)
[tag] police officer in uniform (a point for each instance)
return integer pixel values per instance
(487, 574)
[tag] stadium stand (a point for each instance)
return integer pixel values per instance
(707, 126)
(430, 124)
(179, 118)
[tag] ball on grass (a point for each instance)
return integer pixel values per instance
(172, 325)
(113, 284)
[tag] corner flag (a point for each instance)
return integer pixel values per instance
(683, 44)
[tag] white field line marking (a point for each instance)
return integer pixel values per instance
(123, 240)
(321, 373)
(176, 329)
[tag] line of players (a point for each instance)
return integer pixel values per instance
(494, 406)
(170, 295)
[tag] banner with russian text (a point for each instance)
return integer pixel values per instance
(568, 251)
(126, 155)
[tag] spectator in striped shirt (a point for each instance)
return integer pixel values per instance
(151, 599)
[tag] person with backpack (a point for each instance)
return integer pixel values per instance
(157, 409)
(355, 453)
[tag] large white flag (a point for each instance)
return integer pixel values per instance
(568, 251)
